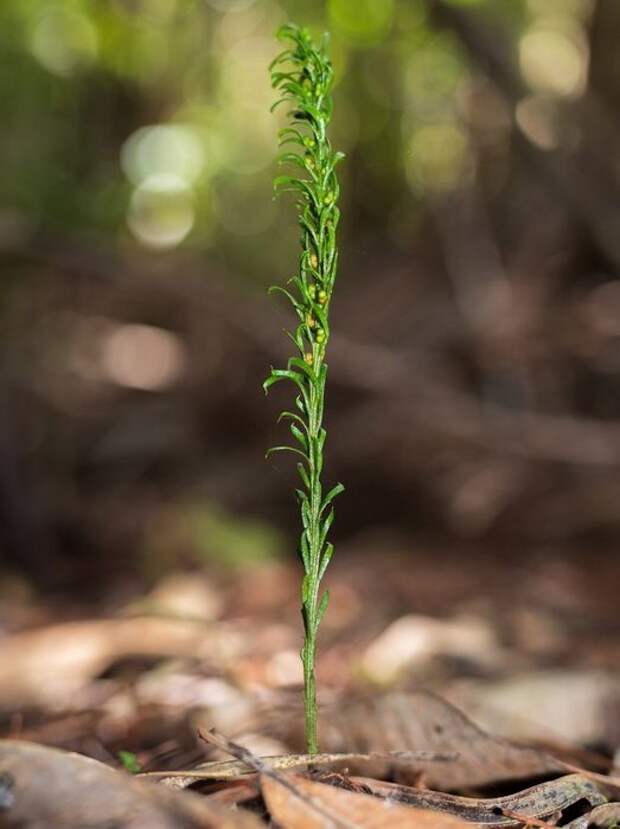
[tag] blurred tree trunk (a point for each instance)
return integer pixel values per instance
(604, 52)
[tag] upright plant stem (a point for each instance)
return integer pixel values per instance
(306, 85)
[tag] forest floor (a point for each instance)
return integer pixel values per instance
(192, 683)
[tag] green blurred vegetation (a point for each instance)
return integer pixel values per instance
(146, 122)
(201, 533)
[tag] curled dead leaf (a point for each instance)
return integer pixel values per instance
(46, 667)
(425, 722)
(46, 788)
(295, 802)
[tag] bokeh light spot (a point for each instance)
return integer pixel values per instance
(64, 40)
(553, 62)
(163, 149)
(432, 76)
(161, 211)
(142, 357)
(536, 117)
(439, 158)
(363, 22)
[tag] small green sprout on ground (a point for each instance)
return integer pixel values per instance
(129, 761)
(303, 76)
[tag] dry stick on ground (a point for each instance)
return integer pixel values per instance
(511, 810)
(259, 766)
(286, 762)
(312, 799)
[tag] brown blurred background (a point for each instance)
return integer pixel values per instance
(475, 367)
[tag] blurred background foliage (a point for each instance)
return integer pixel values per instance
(475, 368)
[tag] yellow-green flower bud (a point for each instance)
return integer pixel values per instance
(314, 260)
(312, 291)
(322, 297)
(320, 335)
(308, 358)
(310, 321)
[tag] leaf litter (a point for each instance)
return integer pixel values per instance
(383, 752)
(45, 787)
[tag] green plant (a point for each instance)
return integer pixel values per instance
(129, 761)
(307, 84)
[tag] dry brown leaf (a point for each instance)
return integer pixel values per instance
(414, 640)
(608, 814)
(610, 783)
(234, 793)
(527, 706)
(295, 802)
(46, 788)
(45, 667)
(423, 721)
(529, 805)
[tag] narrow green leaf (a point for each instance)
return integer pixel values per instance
(282, 184)
(285, 55)
(278, 374)
(286, 131)
(321, 316)
(322, 608)
(299, 435)
(278, 289)
(292, 158)
(335, 159)
(289, 31)
(325, 525)
(305, 515)
(333, 492)
(292, 416)
(318, 463)
(278, 77)
(303, 475)
(297, 338)
(307, 223)
(304, 551)
(282, 100)
(325, 559)
(296, 362)
(293, 449)
(290, 140)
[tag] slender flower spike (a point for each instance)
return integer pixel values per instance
(303, 74)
